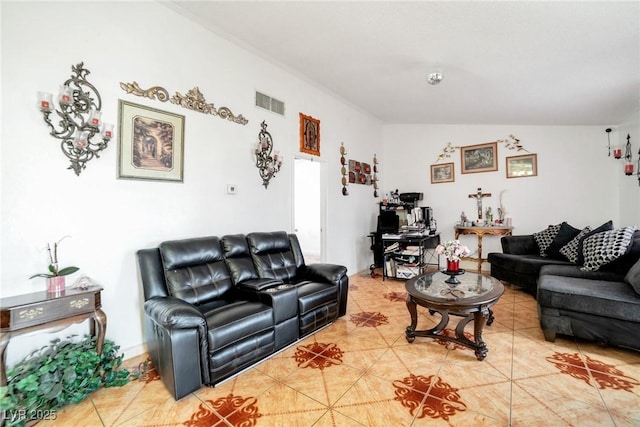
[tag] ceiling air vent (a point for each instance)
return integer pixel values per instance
(269, 103)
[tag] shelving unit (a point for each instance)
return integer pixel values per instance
(408, 255)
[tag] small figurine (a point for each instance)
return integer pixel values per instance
(489, 215)
(463, 218)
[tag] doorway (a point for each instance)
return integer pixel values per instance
(308, 203)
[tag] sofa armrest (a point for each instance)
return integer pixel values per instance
(177, 343)
(519, 245)
(329, 273)
(174, 313)
(257, 285)
(326, 273)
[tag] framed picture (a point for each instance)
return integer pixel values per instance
(522, 166)
(151, 143)
(309, 135)
(479, 158)
(442, 173)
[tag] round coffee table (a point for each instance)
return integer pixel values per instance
(471, 299)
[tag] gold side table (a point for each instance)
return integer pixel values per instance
(480, 232)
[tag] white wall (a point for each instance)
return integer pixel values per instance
(576, 180)
(107, 218)
(629, 185)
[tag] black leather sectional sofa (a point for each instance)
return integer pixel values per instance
(214, 306)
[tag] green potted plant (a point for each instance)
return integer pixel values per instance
(56, 276)
(59, 374)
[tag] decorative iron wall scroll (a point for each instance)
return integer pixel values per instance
(193, 100)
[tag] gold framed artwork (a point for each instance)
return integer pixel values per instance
(151, 143)
(442, 172)
(479, 158)
(309, 135)
(522, 166)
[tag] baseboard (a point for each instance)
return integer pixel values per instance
(135, 351)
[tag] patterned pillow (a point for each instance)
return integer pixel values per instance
(602, 248)
(607, 226)
(545, 237)
(564, 236)
(570, 250)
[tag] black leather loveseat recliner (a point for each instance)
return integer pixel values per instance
(215, 306)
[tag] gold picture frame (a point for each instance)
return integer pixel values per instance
(442, 172)
(151, 143)
(479, 158)
(309, 135)
(522, 166)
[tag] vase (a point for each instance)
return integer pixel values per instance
(55, 284)
(453, 265)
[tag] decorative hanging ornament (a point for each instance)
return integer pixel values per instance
(343, 169)
(374, 179)
(628, 167)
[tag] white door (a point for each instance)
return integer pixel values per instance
(307, 216)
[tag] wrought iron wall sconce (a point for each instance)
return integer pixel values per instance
(268, 165)
(628, 166)
(638, 169)
(80, 118)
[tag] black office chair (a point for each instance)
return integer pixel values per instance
(388, 222)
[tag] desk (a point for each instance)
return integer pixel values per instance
(408, 264)
(480, 232)
(22, 314)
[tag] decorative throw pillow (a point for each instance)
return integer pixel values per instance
(570, 250)
(633, 277)
(545, 237)
(607, 226)
(564, 236)
(623, 264)
(602, 248)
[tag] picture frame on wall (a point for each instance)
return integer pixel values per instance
(309, 135)
(443, 172)
(522, 166)
(151, 143)
(479, 158)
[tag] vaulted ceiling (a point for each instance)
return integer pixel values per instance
(520, 62)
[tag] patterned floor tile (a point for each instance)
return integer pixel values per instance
(361, 371)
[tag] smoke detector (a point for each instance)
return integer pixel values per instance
(434, 78)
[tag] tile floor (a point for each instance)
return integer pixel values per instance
(361, 371)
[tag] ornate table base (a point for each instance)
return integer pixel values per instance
(481, 316)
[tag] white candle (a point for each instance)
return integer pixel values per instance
(45, 101)
(65, 94)
(94, 117)
(107, 131)
(80, 140)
